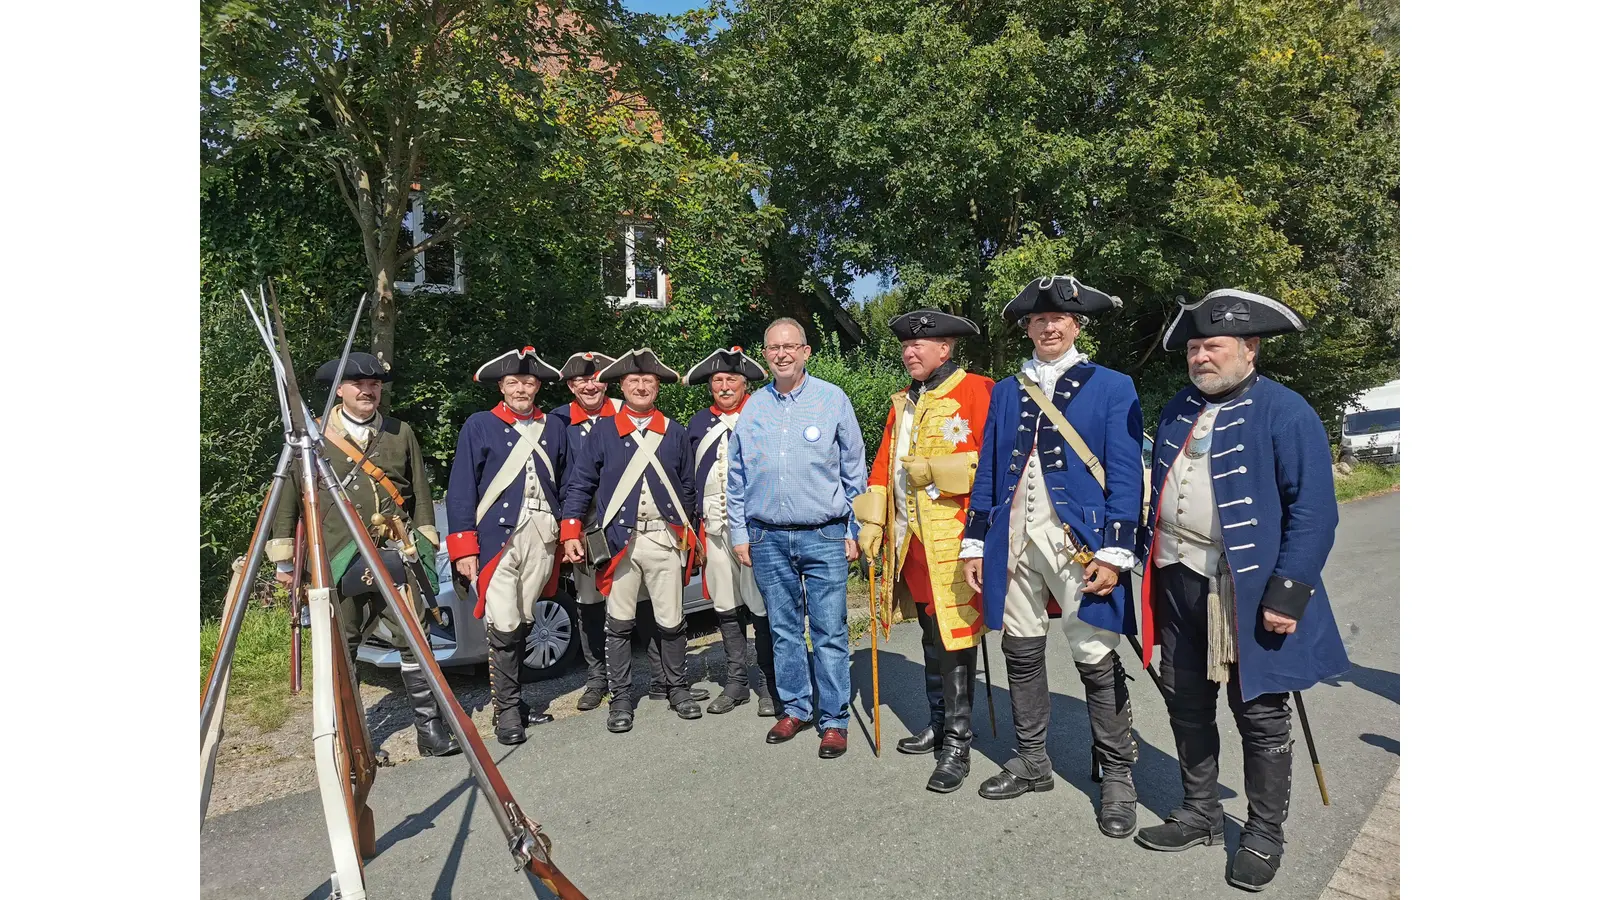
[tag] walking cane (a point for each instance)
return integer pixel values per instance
(1311, 745)
(988, 683)
(872, 597)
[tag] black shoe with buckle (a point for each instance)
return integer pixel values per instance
(1171, 836)
(1253, 870)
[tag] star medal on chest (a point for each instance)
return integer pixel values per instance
(955, 429)
(813, 433)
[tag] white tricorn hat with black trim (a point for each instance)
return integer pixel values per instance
(642, 361)
(732, 360)
(1230, 312)
(584, 364)
(516, 362)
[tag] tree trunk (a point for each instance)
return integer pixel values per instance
(383, 312)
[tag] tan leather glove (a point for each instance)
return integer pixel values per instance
(870, 537)
(919, 472)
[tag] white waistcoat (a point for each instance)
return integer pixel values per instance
(1188, 506)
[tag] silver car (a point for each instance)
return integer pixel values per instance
(459, 639)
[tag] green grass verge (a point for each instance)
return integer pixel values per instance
(259, 687)
(1365, 480)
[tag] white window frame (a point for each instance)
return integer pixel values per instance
(415, 280)
(632, 298)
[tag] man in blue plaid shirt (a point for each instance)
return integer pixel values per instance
(795, 461)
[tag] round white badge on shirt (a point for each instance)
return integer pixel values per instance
(813, 433)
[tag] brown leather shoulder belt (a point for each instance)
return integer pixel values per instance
(367, 466)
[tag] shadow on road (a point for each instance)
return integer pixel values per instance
(1377, 681)
(1382, 743)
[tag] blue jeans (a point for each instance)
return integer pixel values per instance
(801, 573)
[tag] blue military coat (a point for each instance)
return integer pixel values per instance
(579, 424)
(594, 477)
(484, 445)
(1102, 405)
(698, 426)
(1272, 476)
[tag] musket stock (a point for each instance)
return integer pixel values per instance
(294, 607)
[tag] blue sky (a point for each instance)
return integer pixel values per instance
(862, 288)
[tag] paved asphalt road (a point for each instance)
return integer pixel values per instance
(705, 809)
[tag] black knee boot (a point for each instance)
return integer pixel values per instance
(1030, 712)
(955, 751)
(619, 673)
(766, 665)
(929, 739)
(505, 683)
(736, 687)
(1105, 687)
(592, 630)
(674, 666)
(434, 737)
(1264, 725)
(1192, 708)
(658, 677)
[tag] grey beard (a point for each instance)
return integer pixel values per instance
(1217, 383)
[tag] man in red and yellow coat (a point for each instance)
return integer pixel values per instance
(917, 496)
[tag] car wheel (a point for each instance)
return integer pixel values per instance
(552, 644)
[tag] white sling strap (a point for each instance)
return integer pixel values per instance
(527, 446)
(713, 435)
(1074, 440)
(642, 458)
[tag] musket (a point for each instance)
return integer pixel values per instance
(347, 758)
(872, 598)
(529, 846)
(211, 729)
(294, 607)
(1311, 745)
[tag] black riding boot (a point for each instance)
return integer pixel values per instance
(736, 687)
(1105, 687)
(1030, 712)
(928, 739)
(658, 678)
(433, 735)
(674, 665)
(505, 683)
(619, 673)
(1192, 708)
(766, 665)
(1268, 760)
(955, 752)
(592, 629)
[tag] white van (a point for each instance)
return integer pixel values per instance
(1371, 430)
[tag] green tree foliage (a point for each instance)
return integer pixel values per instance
(1157, 150)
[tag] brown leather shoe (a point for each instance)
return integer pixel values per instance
(786, 728)
(834, 743)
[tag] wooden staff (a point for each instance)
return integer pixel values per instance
(1311, 745)
(872, 597)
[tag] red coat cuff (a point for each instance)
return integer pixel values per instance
(462, 544)
(571, 529)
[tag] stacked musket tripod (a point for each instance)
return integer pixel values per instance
(343, 747)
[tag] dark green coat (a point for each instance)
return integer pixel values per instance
(394, 449)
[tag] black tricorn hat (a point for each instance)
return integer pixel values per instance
(642, 361)
(1230, 312)
(584, 364)
(359, 365)
(732, 360)
(516, 362)
(931, 323)
(1059, 294)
